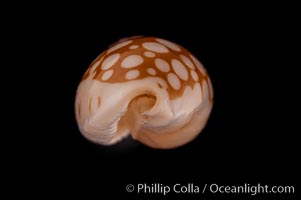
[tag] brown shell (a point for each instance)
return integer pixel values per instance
(119, 72)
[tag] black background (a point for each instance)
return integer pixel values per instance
(251, 135)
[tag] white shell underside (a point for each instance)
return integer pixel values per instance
(173, 121)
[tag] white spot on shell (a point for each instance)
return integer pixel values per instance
(156, 47)
(198, 64)
(149, 54)
(119, 45)
(133, 47)
(169, 44)
(198, 90)
(132, 74)
(205, 89)
(96, 64)
(151, 71)
(110, 61)
(194, 75)
(107, 75)
(180, 69)
(187, 61)
(132, 61)
(174, 81)
(162, 65)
